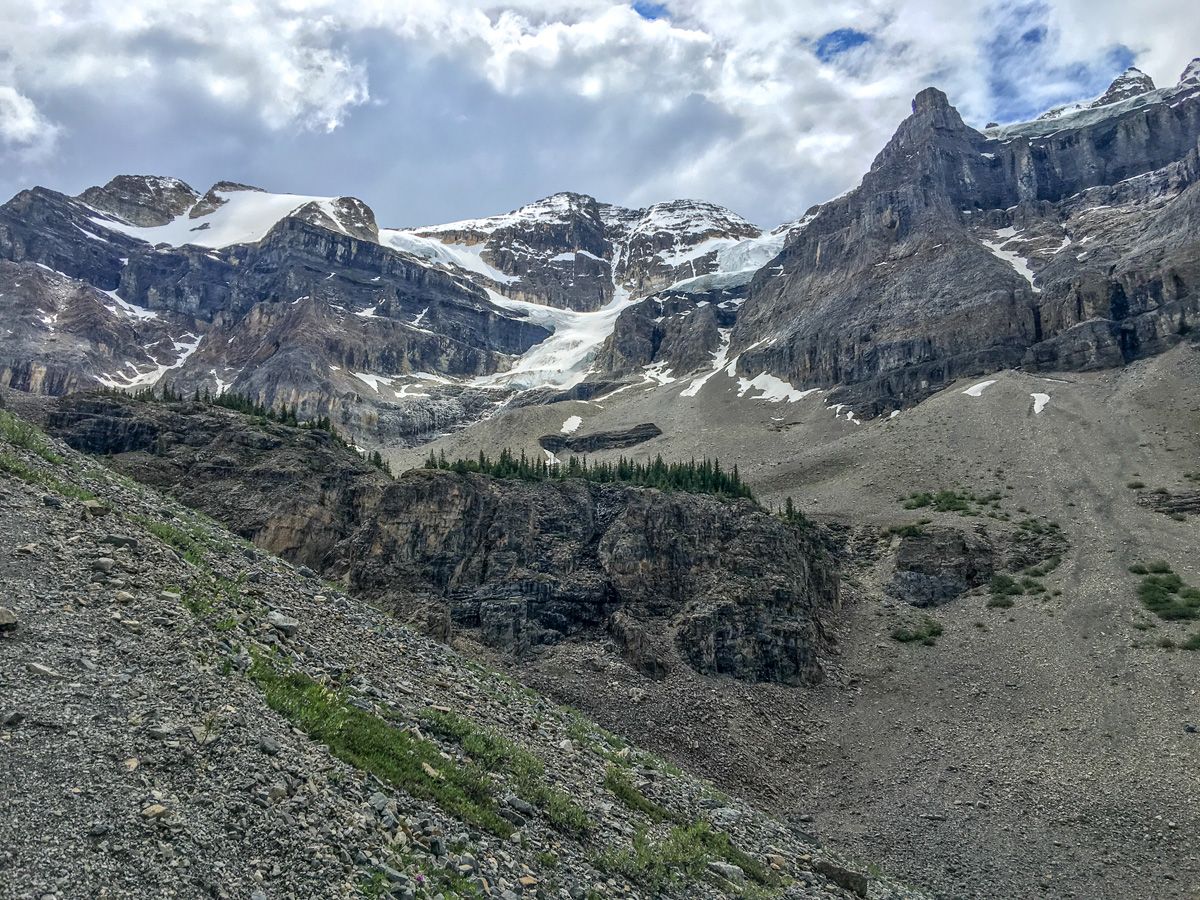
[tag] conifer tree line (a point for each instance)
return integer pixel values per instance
(698, 477)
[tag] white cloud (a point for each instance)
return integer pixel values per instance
(795, 128)
(23, 129)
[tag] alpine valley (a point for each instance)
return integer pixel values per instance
(930, 637)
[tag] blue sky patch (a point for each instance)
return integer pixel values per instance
(650, 10)
(835, 43)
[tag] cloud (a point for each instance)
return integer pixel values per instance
(433, 108)
(24, 131)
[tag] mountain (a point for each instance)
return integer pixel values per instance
(304, 301)
(1057, 245)
(1066, 242)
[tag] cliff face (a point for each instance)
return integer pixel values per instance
(674, 578)
(963, 252)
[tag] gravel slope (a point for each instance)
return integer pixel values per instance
(1044, 750)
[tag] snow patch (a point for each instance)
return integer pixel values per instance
(185, 348)
(773, 389)
(1018, 262)
(571, 425)
(244, 218)
(1039, 402)
(976, 390)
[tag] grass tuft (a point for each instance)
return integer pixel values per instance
(370, 744)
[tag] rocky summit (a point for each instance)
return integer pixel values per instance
(598, 551)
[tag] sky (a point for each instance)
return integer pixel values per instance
(436, 110)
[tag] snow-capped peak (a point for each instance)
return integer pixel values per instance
(232, 213)
(556, 208)
(1191, 74)
(693, 217)
(1130, 83)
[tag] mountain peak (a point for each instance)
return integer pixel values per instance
(1132, 82)
(1191, 73)
(143, 200)
(930, 100)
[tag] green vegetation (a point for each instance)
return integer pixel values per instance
(926, 633)
(1004, 585)
(1192, 643)
(1034, 526)
(189, 547)
(524, 770)
(704, 477)
(680, 858)
(437, 881)
(618, 781)
(965, 504)
(14, 466)
(1166, 594)
(1045, 568)
(27, 436)
(1000, 601)
(370, 744)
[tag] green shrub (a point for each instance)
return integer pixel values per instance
(1168, 597)
(502, 756)
(1000, 601)
(1003, 585)
(926, 633)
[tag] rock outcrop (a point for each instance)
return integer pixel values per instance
(723, 586)
(594, 441)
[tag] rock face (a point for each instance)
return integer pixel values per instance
(739, 592)
(963, 252)
(314, 313)
(936, 564)
(600, 440)
(145, 200)
(676, 578)
(939, 564)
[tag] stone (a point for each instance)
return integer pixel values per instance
(847, 879)
(8, 619)
(284, 624)
(203, 735)
(154, 811)
(11, 718)
(268, 745)
(44, 671)
(94, 508)
(524, 808)
(728, 871)
(104, 564)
